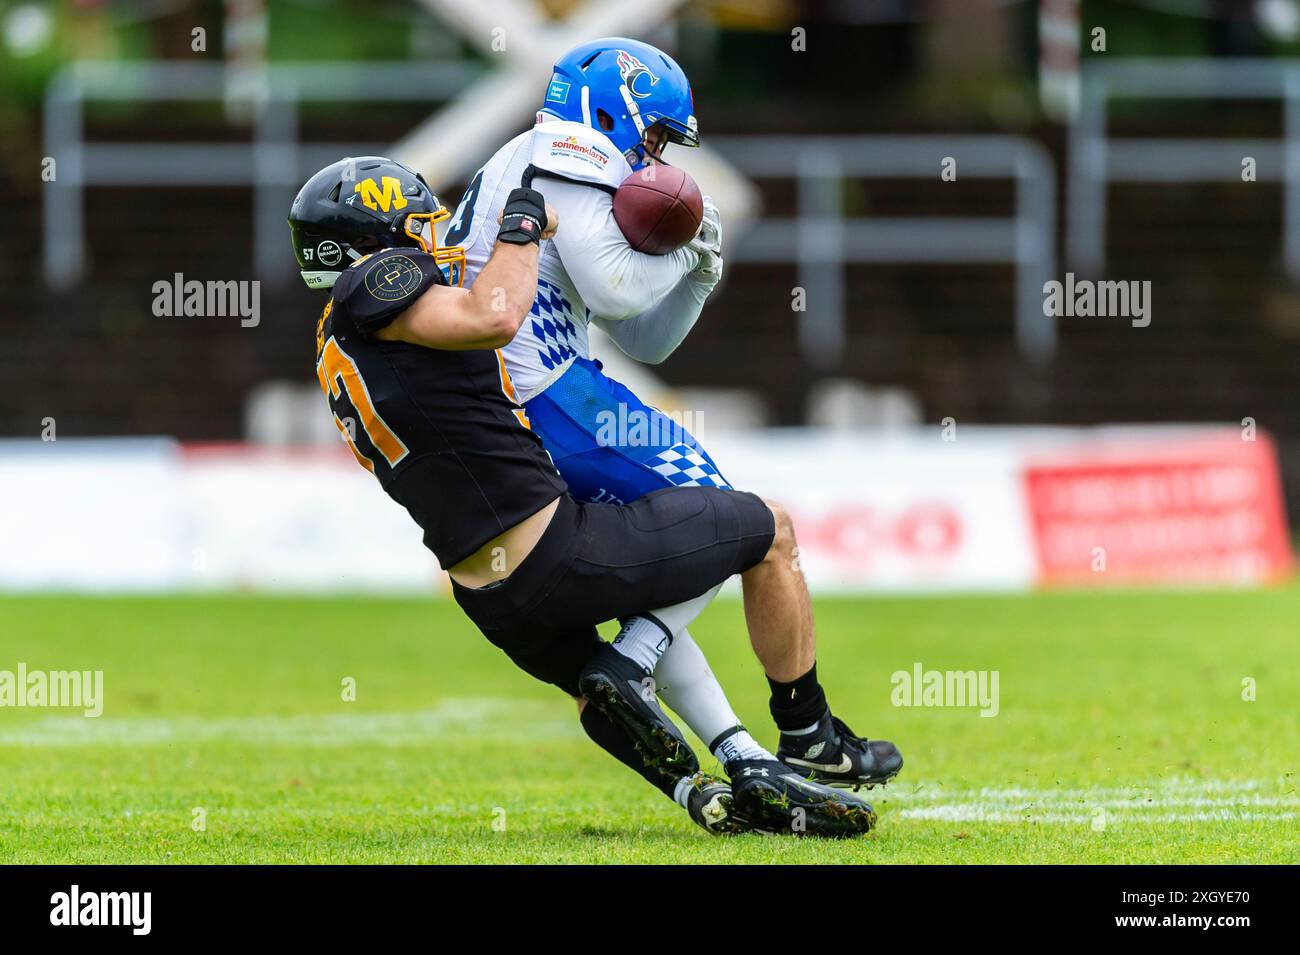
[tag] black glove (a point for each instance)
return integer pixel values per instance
(524, 217)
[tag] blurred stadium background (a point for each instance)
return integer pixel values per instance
(877, 317)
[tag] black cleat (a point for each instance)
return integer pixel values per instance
(833, 755)
(712, 807)
(773, 798)
(625, 693)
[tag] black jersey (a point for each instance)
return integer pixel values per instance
(441, 430)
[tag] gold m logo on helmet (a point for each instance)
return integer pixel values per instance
(386, 196)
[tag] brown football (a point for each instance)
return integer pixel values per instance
(659, 209)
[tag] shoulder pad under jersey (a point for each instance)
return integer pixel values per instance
(577, 152)
(377, 288)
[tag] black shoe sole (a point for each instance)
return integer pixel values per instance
(659, 748)
(771, 811)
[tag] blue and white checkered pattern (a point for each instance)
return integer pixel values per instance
(684, 466)
(552, 326)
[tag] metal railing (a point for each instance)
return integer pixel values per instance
(274, 163)
(821, 240)
(1097, 159)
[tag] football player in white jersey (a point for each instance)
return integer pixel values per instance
(610, 108)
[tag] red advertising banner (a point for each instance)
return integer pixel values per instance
(1205, 509)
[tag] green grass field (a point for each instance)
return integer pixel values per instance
(1122, 735)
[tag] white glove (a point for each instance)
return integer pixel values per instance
(708, 244)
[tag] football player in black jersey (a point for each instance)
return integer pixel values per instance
(407, 361)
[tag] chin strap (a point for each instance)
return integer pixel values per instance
(633, 111)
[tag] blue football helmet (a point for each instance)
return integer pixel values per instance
(623, 87)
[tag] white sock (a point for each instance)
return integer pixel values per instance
(682, 791)
(642, 640)
(686, 684)
(680, 616)
(739, 745)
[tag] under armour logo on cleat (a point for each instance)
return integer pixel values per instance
(755, 771)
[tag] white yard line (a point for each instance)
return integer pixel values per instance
(969, 813)
(1165, 801)
(1173, 785)
(485, 718)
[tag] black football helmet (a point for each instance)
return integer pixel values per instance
(359, 205)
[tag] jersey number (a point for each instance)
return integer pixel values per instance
(338, 373)
(508, 387)
(458, 228)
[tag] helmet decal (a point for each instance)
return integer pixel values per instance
(329, 253)
(635, 73)
(386, 196)
(557, 92)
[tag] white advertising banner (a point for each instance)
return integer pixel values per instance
(904, 513)
(309, 520)
(92, 515)
(1000, 509)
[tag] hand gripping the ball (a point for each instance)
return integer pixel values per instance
(708, 243)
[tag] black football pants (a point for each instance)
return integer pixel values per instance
(598, 562)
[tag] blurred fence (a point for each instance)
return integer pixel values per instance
(825, 239)
(1097, 159)
(274, 164)
(913, 284)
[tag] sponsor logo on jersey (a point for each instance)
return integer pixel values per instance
(635, 74)
(394, 278)
(557, 92)
(569, 146)
(387, 195)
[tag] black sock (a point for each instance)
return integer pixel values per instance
(606, 734)
(799, 703)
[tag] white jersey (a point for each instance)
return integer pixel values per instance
(556, 331)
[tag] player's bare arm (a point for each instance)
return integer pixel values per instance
(489, 314)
